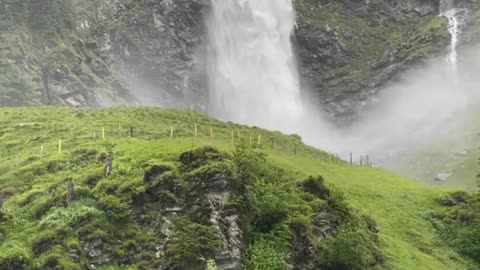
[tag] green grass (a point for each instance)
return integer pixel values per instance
(456, 149)
(399, 205)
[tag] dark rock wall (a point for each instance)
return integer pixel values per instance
(97, 53)
(348, 49)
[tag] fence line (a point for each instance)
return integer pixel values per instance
(277, 144)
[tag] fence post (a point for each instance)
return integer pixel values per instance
(70, 191)
(41, 152)
(196, 130)
(367, 161)
(2, 198)
(351, 158)
(211, 134)
(233, 137)
(119, 131)
(272, 143)
(109, 165)
(103, 133)
(171, 131)
(259, 139)
(59, 146)
(361, 160)
(131, 130)
(94, 136)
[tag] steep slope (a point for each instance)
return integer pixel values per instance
(171, 200)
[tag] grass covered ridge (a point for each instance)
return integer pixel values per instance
(371, 218)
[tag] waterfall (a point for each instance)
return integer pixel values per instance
(251, 65)
(453, 14)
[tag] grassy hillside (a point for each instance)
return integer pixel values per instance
(37, 226)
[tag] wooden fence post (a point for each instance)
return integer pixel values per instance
(41, 152)
(2, 198)
(70, 191)
(103, 133)
(171, 132)
(131, 130)
(59, 146)
(109, 165)
(259, 139)
(196, 130)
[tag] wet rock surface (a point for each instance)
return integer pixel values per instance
(150, 52)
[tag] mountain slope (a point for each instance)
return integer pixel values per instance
(264, 208)
(89, 53)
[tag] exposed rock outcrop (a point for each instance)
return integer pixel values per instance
(96, 53)
(349, 49)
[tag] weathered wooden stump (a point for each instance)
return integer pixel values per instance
(109, 165)
(70, 191)
(2, 198)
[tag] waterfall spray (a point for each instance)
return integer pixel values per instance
(252, 71)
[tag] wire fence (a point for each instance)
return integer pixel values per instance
(64, 139)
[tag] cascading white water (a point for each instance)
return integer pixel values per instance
(252, 71)
(449, 10)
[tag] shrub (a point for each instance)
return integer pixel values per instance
(13, 259)
(316, 186)
(198, 157)
(189, 244)
(348, 250)
(72, 215)
(264, 256)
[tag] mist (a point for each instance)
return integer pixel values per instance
(424, 105)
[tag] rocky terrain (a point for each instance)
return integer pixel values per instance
(95, 53)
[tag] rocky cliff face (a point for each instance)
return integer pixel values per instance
(91, 53)
(94, 53)
(156, 47)
(348, 49)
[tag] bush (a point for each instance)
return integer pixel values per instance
(316, 186)
(12, 259)
(348, 250)
(189, 244)
(74, 214)
(264, 256)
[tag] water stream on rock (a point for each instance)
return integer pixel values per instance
(452, 13)
(252, 71)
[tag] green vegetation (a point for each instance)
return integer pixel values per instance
(349, 218)
(48, 54)
(367, 42)
(459, 222)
